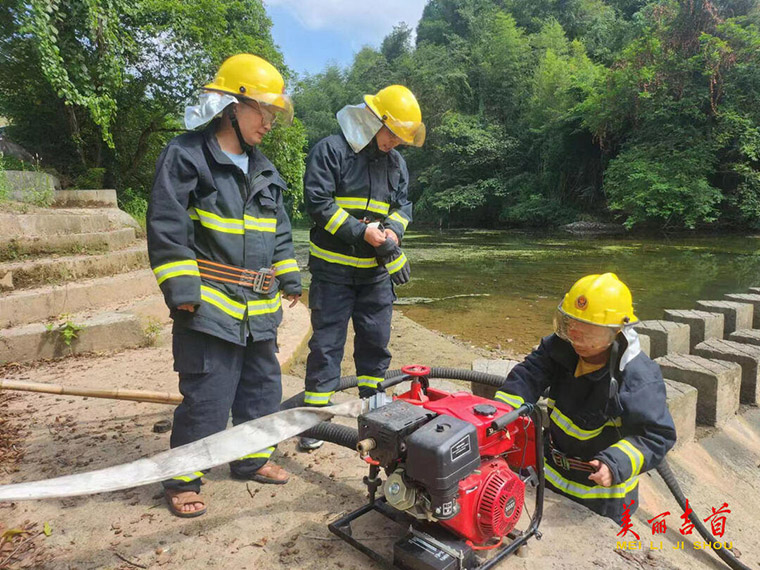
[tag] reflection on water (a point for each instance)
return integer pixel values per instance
(526, 275)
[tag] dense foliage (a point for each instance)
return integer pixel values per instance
(96, 88)
(550, 111)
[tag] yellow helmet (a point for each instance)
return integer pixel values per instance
(398, 109)
(249, 76)
(599, 300)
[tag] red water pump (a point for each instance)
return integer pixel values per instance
(457, 466)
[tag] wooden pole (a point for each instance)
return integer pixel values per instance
(113, 394)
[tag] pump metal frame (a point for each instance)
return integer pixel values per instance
(342, 526)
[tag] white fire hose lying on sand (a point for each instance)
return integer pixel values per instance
(205, 453)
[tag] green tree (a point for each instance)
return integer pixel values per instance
(539, 113)
(101, 84)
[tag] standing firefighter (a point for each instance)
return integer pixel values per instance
(608, 418)
(355, 190)
(220, 246)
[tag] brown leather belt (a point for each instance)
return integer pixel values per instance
(260, 281)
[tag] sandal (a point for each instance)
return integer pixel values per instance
(270, 474)
(178, 499)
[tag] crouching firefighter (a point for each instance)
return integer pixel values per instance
(220, 245)
(355, 190)
(608, 418)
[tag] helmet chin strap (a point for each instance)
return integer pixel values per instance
(247, 148)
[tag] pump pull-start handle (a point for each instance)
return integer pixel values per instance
(503, 421)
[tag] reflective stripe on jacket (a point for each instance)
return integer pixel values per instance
(630, 439)
(341, 187)
(203, 206)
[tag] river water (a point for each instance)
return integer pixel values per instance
(519, 278)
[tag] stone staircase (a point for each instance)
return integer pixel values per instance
(710, 359)
(75, 278)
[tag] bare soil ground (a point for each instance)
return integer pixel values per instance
(253, 526)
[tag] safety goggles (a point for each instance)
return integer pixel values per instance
(269, 114)
(581, 335)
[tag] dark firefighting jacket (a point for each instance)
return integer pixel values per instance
(204, 207)
(342, 187)
(630, 433)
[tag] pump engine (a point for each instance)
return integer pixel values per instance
(446, 463)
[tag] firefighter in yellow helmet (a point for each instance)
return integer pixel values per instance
(355, 191)
(220, 245)
(608, 418)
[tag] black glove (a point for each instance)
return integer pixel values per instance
(386, 249)
(390, 255)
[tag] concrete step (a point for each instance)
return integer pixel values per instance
(141, 323)
(85, 199)
(93, 242)
(127, 324)
(755, 290)
(665, 337)
(747, 336)
(45, 222)
(102, 332)
(736, 316)
(745, 355)
(717, 382)
(750, 298)
(35, 273)
(702, 325)
(682, 403)
(46, 303)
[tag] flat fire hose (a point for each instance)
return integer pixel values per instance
(216, 449)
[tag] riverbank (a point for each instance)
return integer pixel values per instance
(276, 528)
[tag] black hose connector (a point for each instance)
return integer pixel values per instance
(675, 489)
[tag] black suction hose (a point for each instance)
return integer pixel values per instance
(670, 480)
(334, 433)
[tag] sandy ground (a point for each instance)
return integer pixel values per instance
(252, 526)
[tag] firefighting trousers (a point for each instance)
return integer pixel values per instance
(216, 377)
(370, 307)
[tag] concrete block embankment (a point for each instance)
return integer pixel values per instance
(751, 299)
(665, 337)
(718, 384)
(745, 355)
(702, 325)
(746, 336)
(682, 403)
(736, 316)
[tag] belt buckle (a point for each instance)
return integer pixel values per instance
(560, 459)
(262, 280)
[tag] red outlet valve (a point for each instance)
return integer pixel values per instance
(416, 370)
